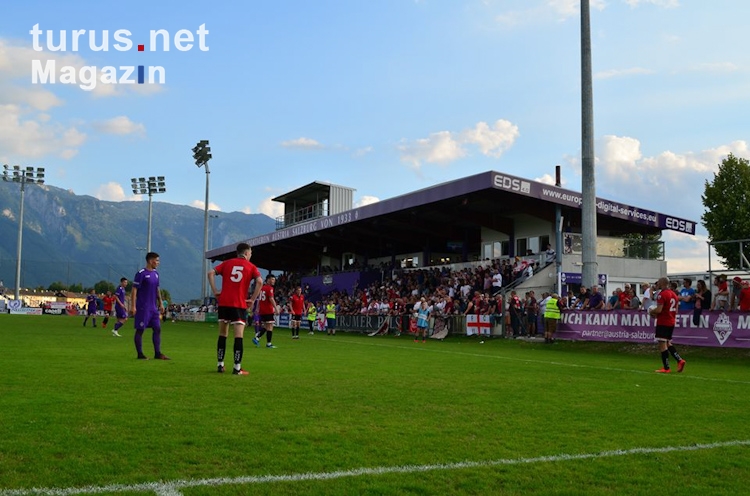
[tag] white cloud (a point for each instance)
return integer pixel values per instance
(439, 148)
(552, 10)
(562, 10)
(445, 147)
(667, 4)
(492, 141)
(685, 253)
(16, 70)
(120, 125)
(366, 200)
(110, 192)
(37, 98)
(361, 152)
(201, 205)
(15, 60)
(23, 135)
(302, 144)
(669, 182)
(715, 67)
(271, 208)
(549, 179)
(68, 153)
(616, 73)
(27, 131)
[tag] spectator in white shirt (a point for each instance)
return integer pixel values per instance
(497, 282)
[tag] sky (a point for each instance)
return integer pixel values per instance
(385, 97)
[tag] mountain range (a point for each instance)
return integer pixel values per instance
(82, 240)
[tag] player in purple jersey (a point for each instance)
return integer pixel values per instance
(90, 308)
(121, 311)
(256, 321)
(146, 305)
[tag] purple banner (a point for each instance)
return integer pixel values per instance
(719, 329)
(346, 282)
(562, 196)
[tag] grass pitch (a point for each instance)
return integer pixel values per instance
(352, 414)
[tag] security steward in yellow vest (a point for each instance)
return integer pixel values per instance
(312, 314)
(331, 318)
(551, 318)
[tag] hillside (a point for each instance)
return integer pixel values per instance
(79, 239)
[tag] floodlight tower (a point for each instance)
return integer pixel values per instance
(150, 187)
(31, 175)
(590, 272)
(202, 154)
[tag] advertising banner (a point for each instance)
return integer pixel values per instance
(25, 311)
(717, 329)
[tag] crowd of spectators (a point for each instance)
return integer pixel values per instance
(448, 291)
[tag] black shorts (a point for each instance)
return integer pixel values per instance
(663, 333)
(233, 315)
(267, 317)
(297, 318)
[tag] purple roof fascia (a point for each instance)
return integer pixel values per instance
(471, 184)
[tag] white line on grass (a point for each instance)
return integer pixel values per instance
(531, 360)
(172, 488)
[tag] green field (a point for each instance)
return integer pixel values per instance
(352, 414)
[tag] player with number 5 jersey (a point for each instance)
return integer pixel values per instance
(236, 276)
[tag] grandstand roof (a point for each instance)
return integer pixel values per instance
(436, 218)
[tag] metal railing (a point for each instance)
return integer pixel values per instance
(302, 215)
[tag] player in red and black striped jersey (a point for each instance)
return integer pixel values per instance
(236, 276)
(665, 312)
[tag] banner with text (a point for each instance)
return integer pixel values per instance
(718, 329)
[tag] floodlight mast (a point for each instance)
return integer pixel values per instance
(31, 175)
(590, 272)
(151, 186)
(201, 155)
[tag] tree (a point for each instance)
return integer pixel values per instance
(76, 288)
(103, 286)
(166, 296)
(57, 286)
(645, 246)
(727, 215)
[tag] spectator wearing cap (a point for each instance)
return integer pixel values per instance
(734, 294)
(744, 303)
